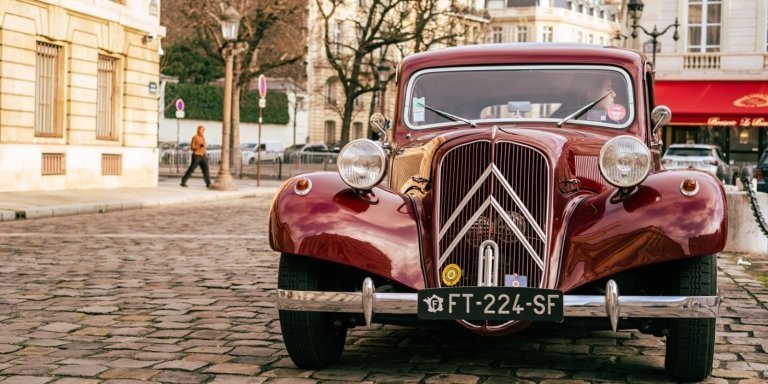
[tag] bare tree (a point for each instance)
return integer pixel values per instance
(272, 39)
(380, 27)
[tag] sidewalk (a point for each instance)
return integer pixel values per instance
(34, 205)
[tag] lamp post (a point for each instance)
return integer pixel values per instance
(230, 23)
(634, 11)
(383, 69)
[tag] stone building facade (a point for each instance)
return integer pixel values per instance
(715, 76)
(79, 93)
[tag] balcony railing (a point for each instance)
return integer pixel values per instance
(701, 61)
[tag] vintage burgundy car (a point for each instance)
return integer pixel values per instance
(517, 184)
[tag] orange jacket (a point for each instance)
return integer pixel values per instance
(198, 145)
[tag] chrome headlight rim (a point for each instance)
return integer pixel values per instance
(382, 155)
(645, 152)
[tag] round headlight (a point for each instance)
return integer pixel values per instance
(625, 161)
(362, 163)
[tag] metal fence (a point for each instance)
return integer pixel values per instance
(276, 166)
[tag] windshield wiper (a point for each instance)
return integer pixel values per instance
(583, 109)
(449, 116)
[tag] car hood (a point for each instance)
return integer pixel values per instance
(572, 151)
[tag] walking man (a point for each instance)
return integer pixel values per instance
(198, 157)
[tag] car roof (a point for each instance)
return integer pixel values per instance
(524, 53)
(708, 146)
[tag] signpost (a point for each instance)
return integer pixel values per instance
(262, 105)
(179, 115)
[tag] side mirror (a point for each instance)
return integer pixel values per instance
(381, 124)
(660, 116)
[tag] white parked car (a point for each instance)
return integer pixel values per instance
(271, 151)
(704, 157)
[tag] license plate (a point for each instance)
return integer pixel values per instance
(490, 303)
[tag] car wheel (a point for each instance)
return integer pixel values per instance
(691, 342)
(251, 161)
(312, 339)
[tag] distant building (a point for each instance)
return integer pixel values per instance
(325, 95)
(559, 21)
(79, 102)
(715, 76)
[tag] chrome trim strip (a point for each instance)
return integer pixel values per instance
(612, 304)
(519, 203)
(488, 264)
(492, 169)
(528, 247)
(412, 80)
(490, 200)
(575, 305)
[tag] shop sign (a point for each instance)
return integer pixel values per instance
(759, 122)
(755, 100)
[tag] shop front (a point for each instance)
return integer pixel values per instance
(729, 113)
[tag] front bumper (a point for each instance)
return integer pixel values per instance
(612, 306)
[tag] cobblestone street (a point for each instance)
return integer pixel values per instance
(184, 294)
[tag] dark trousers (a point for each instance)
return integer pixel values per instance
(202, 161)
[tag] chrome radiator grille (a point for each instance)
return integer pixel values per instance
(497, 192)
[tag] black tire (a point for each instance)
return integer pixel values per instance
(691, 342)
(252, 161)
(311, 338)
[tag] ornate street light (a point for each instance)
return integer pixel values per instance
(383, 69)
(230, 24)
(634, 11)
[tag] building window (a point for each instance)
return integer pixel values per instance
(106, 110)
(546, 35)
(337, 37)
(579, 37)
(111, 165)
(330, 133)
(704, 25)
(522, 33)
(53, 164)
(357, 130)
(357, 102)
(47, 90)
(590, 38)
(330, 92)
(497, 35)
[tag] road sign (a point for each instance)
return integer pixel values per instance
(179, 104)
(262, 86)
(262, 103)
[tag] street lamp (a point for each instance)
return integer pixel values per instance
(383, 69)
(230, 23)
(634, 11)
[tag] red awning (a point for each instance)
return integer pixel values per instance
(715, 103)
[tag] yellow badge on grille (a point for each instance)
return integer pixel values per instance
(451, 274)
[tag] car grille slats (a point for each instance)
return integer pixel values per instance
(466, 187)
(483, 188)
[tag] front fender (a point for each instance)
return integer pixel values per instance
(377, 234)
(655, 224)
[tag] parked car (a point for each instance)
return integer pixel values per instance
(522, 185)
(271, 151)
(307, 153)
(761, 173)
(704, 157)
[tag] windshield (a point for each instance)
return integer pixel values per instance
(701, 152)
(594, 95)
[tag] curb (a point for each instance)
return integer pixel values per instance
(122, 205)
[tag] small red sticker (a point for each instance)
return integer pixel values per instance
(617, 112)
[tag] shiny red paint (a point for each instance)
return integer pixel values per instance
(654, 224)
(377, 234)
(592, 234)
